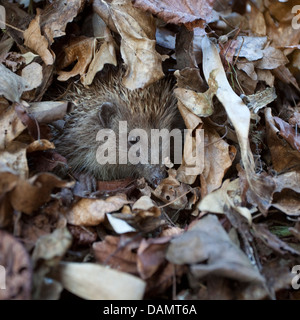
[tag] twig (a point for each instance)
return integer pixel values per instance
(11, 26)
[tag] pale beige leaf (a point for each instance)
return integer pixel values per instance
(48, 111)
(95, 282)
(237, 111)
(33, 75)
(239, 116)
(198, 103)
(52, 246)
(190, 119)
(10, 126)
(143, 203)
(29, 56)
(120, 226)
(49, 250)
(144, 206)
(14, 157)
(228, 196)
(11, 85)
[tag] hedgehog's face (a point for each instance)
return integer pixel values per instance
(138, 140)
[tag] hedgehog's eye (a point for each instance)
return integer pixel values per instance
(133, 139)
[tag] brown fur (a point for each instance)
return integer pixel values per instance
(151, 108)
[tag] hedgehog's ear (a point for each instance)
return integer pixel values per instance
(106, 112)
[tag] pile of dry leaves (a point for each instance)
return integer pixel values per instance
(229, 230)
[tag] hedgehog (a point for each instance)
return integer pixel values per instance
(102, 106)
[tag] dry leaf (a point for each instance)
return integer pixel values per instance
(190, 78)
(279, 147)
(18, 273)
(106, 54)
(5, 46)
(95, 282)
(228, 196)
(239, 116)
(48, 111)
(261, 231)
(192, 13)
(137, 31)
(267, 76)
(51, 248)
(14, 157)
(257, 22)
(144, 207)
(199, 103)
(260, 99)
(118, 253)
(272, 59)
(288, 133)
(91, 212)
(185, 55)
(48, 252)
(285, 75)
(250, 48)
(119, 226)
(190, 119)
(33, 75)
(57, 15)
(8, 181)
(246, 83)
(10, 126)
(247, 67)
(35, 41)
(193, 156)
(165, 38)
(286, 194)
(29, 195)
(83, 236)
(14, 61)
(219, 156)
(11, 85)
(285, 35)
(80, 50)
(29, 56)
(208, 249)
(40, 145)
(151, 255)
(170, 190)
